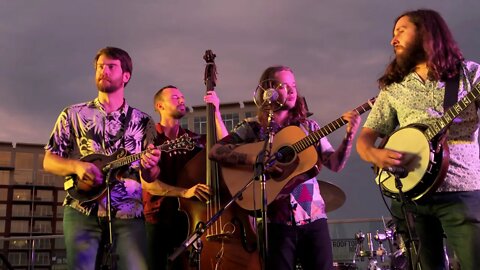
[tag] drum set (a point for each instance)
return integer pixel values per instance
(383, 250)
(395, 251)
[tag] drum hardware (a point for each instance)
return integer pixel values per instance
(396, 251)
(372, 254)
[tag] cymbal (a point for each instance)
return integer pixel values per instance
(333, 196)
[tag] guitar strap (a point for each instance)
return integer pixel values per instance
(129, 173)
(124, 124)
(451, 92)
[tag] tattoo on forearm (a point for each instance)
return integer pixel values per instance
(226, 154)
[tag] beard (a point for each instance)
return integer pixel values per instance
(108, 85)
(178, 114)
(411, 55)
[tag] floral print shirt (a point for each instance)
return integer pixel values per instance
(84, 129)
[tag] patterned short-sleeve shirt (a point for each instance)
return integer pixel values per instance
(85, 129)
(415, 101)
(302, 203)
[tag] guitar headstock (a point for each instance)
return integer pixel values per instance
(179, 145)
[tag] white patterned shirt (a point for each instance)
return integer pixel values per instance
(84, 129)
(415, 101)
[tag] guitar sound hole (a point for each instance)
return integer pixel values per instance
(285, 154)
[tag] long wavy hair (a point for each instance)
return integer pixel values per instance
(298, 113)
(442, 53)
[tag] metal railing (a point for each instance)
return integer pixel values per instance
(28, 246)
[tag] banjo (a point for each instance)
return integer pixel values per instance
(426, 150)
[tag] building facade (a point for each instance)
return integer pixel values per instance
(30, 209)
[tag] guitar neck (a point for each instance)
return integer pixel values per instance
(451, 113)
(131, 158)
(315, 137)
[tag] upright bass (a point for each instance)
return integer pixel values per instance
(230, 243)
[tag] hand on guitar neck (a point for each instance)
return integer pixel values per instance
(89, 179)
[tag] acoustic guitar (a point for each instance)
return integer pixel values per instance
(296, 155)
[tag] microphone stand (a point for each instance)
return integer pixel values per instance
(109, 258)
(411, 241)
(202, 227)
(259, 174)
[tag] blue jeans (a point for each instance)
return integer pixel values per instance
(85, 237)
(454, 215)
(309, 243)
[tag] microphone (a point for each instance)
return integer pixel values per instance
(399, 172)
(270, 95)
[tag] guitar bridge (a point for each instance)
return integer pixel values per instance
(219, 237)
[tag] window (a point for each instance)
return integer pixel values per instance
(44, 195)
(5, 158)
(59, 212)
(42, 258)
(18, 258)
(230, 120)
(3, 194)
(184, 122)
(43, 243)
(59, 227)
(40, 158)
(20, 210)
(23, 173)
(18, 244)
(200, 125)
(22, 195)
(46, 179)
(43, 211)
(250, 114)
(19, 226)
(42, 226)
(61, 195)
(2, 226)
(23, 176)
(5, 177)
(24, 160)
(3, 210)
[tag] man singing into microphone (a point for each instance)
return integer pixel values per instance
(297, 219)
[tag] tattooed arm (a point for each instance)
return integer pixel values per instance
(226, 154)
(224, 151)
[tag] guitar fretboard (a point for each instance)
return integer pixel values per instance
(315, 137)
(182, 143)
(451, 113)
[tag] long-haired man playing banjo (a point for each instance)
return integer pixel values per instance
(413, 88)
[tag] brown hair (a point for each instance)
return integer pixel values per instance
(116, 54)
(298, 113)
(442, 53)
